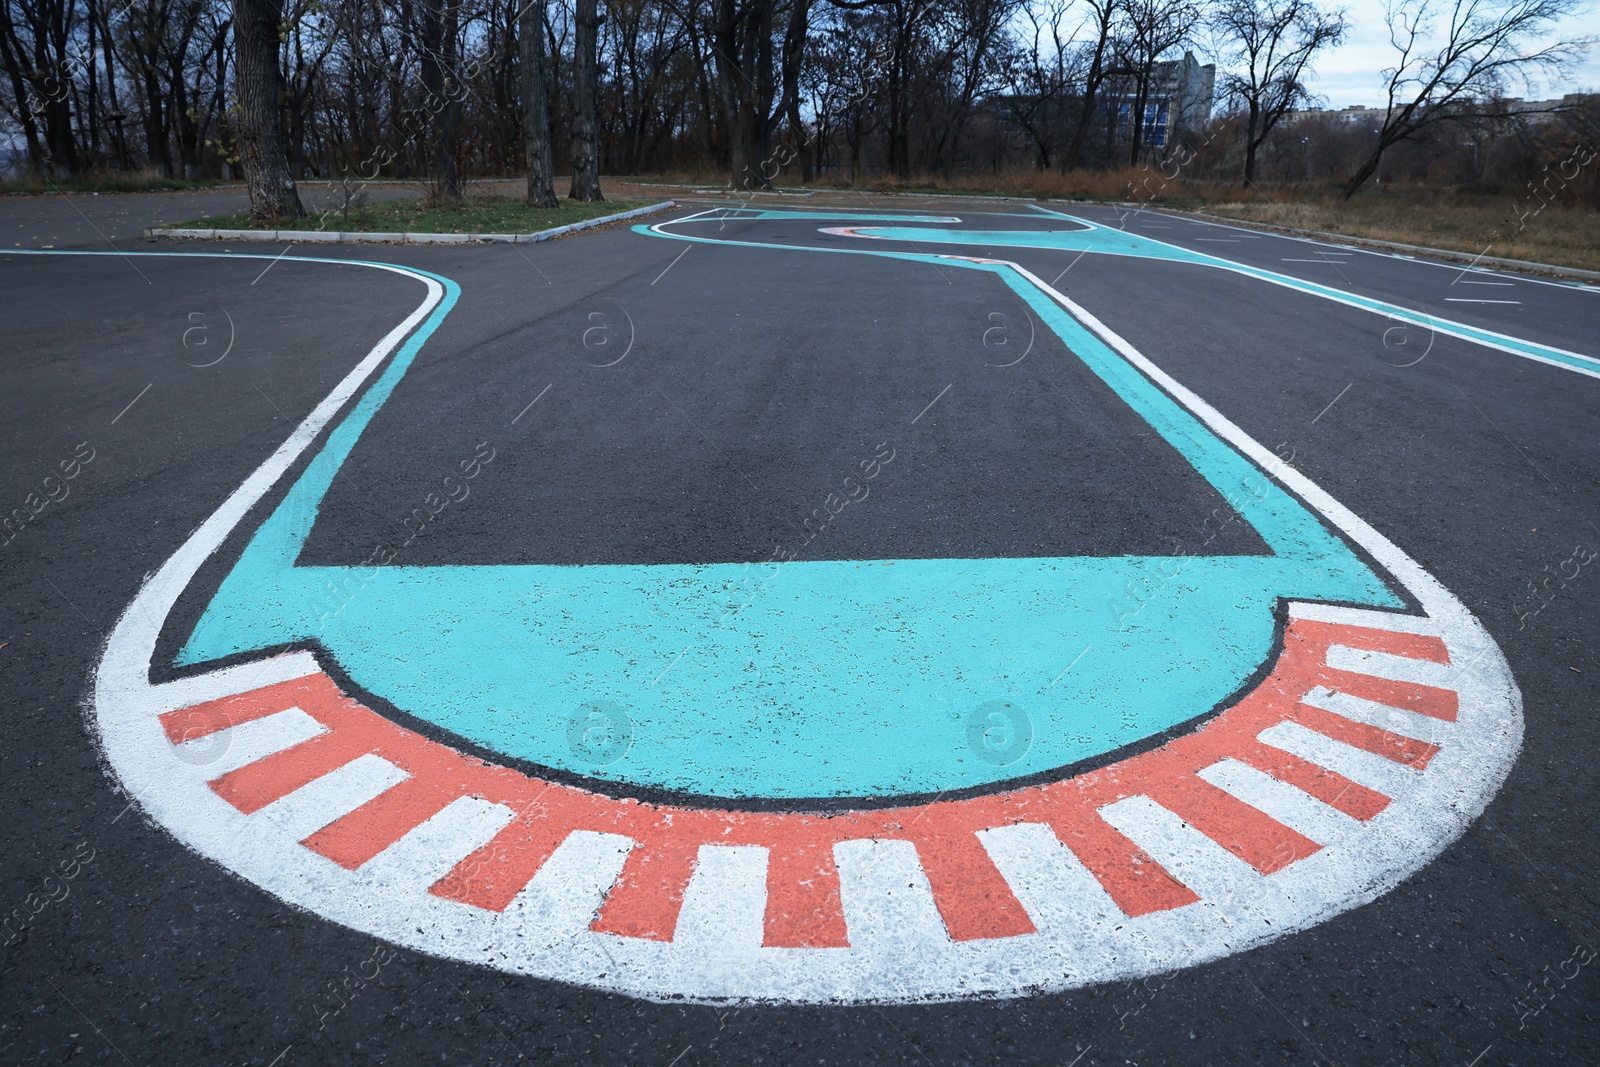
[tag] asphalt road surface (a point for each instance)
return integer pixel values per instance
(832, 630)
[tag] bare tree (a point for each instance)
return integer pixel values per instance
(1103, 19)
(535, 91)
(585, 142)
(1038, 73)
(976, 32)
(1272, 42)
(37, 56)
(790, 60)
(260, 88)
(1155, 27)
(1483, 43)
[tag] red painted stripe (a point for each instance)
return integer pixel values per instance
(359, 836)
(187, 724)
(803, 905)
(1138, 884)
(1390, 746)
(1249, 833)
(1410, 696)
(649, 893)
(491, 877)
(973, 898)
(254, 786)
(1411, 646)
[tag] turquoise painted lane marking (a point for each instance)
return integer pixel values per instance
(831, 678)
(753, 214)
(1105, 241)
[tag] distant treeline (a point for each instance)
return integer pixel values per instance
(759, 90)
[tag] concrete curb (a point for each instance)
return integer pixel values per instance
(326, 237)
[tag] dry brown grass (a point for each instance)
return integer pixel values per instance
(1123, 184)
(1563, 235)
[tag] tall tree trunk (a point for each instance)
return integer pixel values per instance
(759, 92)
(444, 100)
(726, 44)
(794, 44)
(535, 89)
(585, 145)
(58, 134)
(91, 71)
(1141, 96)
(1091, 86)
(1251, 142)
(266, 170)
(115, 116)
(156, 152)
(1359, 178)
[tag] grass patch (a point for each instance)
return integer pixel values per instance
(480, 215)
(1566, 236)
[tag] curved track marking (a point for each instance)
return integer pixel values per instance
(1309, 795)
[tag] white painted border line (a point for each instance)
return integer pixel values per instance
(341, 237)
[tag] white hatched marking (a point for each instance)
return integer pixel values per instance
(565, 895)
(429, 851)
(1223, 881)
(1395, 720)
(888, 903)
(1055, 888)
(1295, 808)
(1392, 667)
(337, 793)
(227, 750)
(1391, 779)
(726, 901)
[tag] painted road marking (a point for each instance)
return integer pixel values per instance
(1384, 775)
(581, 886)
(424, 854)
(890, 895)
(1468, 300)
(723, 903)
(308, 808)
(1122, 243)
(1401, 722)
(1294, 808)
(232, 748)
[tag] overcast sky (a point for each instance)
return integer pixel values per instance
(1349, 74)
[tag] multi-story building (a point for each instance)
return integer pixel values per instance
(1179, 99)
